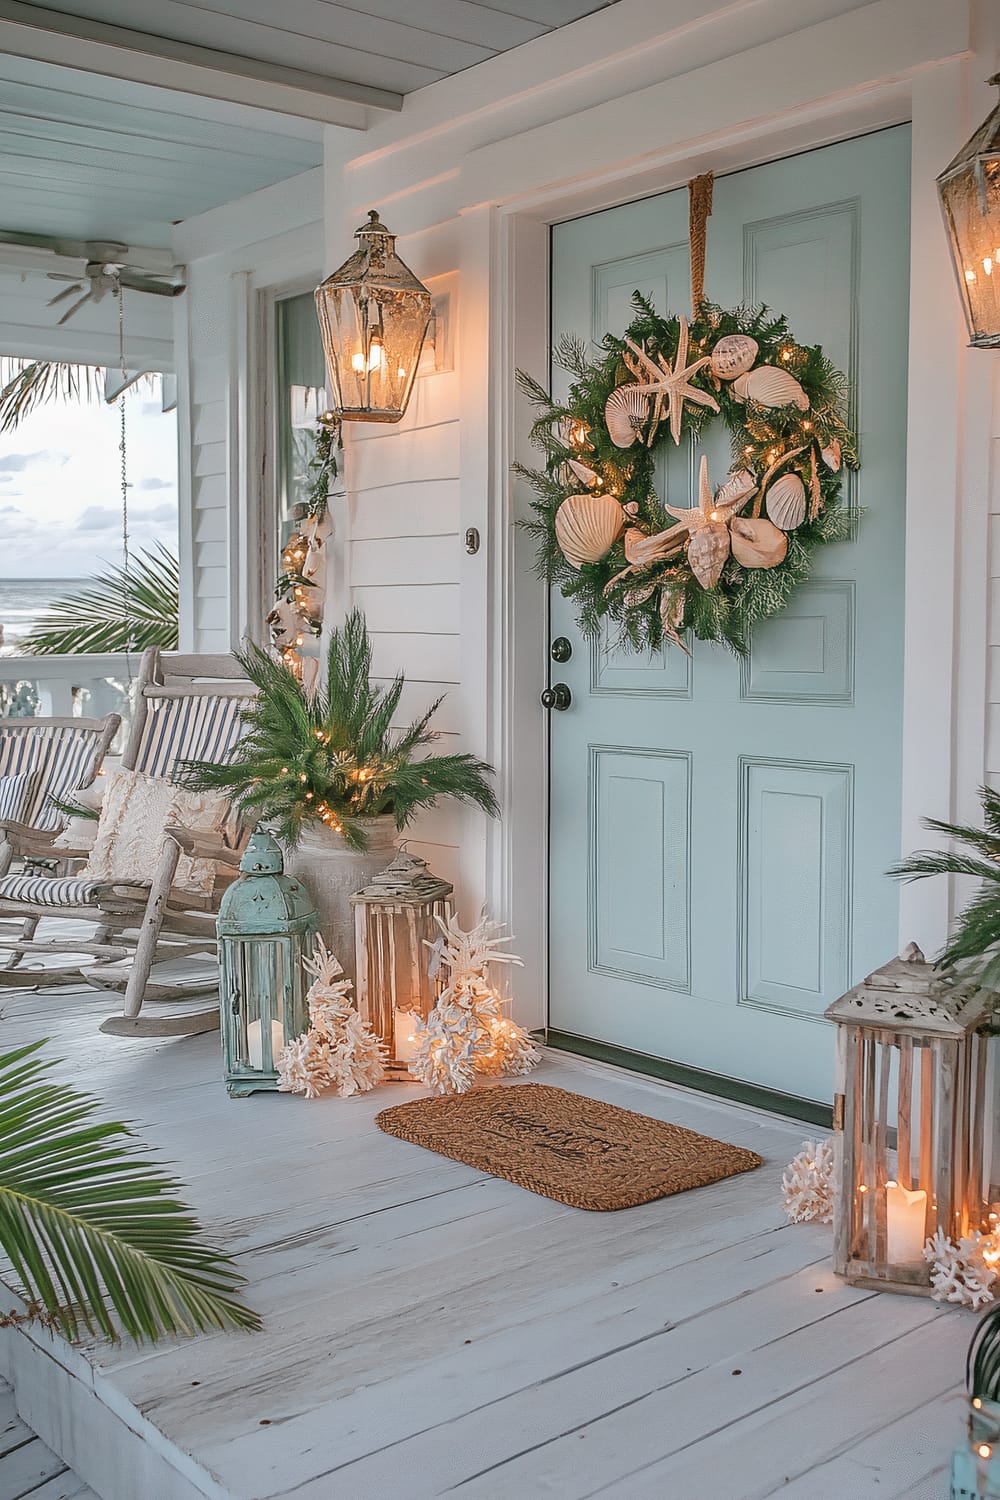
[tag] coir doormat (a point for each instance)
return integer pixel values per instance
(577, 1150)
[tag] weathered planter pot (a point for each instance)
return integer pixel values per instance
(331, 872)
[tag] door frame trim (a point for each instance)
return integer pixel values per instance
(943, 752)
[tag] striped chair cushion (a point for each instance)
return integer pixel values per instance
(49, 890)
(16, 792)
(203, 727)
(63, 759)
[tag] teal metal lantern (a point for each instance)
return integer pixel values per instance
(266, 927)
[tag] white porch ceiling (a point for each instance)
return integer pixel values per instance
(108, 127)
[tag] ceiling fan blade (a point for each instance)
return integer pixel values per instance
(67, 291)
(75, 308)
(138, 283)
(63, 276)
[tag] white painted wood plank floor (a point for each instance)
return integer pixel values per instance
(29, 1470)
(432, 1331)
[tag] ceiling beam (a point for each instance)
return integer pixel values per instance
(70, 41)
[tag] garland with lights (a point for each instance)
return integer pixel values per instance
(727, 557)
(299, 590)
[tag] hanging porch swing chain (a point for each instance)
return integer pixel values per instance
(122, 448)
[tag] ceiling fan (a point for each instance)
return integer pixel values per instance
(106, 268)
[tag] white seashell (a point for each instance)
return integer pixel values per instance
(626, 412)
(733, 355)
(786, 502)
(587, 527)
(738, 389)
(583, 472)
(285, 624)
(739, 486)
(831, 454)
(757, 543)
(769, 386)
(707, 553)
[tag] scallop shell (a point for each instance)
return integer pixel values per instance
(757, 543)
(786, 502)
(831, 454)
(707, 553)
(769, 386)
(739, 486)
(587, 527)
(738, 389)
(733, 355)
(625, 412)
(583, 472)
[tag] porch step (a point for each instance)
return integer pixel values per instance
(29, 1470)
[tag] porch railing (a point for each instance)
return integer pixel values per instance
(80, 686)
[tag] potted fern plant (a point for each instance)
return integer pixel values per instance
(332, 776)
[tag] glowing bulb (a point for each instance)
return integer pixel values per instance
(984, 1450)
(862, 1187)
(970, 275)
(988, 265)
(714, 516)
(748, 450)
(807, 427)
(303, 776)
(786, 353)
(977, 1403)
(401, 373)
(358, 364)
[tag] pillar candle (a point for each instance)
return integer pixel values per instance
(405, 1024)
(905, 1216)
(255, 1043)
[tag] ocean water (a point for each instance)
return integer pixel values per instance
(24, 600)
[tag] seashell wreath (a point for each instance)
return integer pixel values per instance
(730, 555)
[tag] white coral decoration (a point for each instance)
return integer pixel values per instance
(339, 1050)
(465, 1033)
(807, 1183)
(964, 1272)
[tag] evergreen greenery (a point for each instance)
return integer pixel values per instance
(974, 946)
(728, 611)
(95, 1233)
(119, 611)
(334, 757)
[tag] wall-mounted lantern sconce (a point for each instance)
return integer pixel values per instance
(373, 315)
(969, 188)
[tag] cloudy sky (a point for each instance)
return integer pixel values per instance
(60, 487)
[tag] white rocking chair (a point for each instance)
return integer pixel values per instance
(186, 708)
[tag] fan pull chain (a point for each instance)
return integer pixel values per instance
(123, 450)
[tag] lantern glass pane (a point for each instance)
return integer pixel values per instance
(971, 199)
(373, 338)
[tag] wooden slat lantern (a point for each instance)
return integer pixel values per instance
(910, 1118)
(397, 938)
(266, 927)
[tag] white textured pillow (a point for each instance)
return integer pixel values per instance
(130, 833)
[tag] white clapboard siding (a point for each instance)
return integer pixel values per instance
(400, 608)
(422, 507)
(404, 560)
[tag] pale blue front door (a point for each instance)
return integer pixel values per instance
(720, 829)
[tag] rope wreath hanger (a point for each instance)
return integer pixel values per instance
(727, 556)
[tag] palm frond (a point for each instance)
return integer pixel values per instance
(96, 1233)
(119, 611)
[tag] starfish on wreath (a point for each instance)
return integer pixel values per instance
(713, 509)
(675, 381)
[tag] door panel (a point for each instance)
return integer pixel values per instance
(720, 829)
